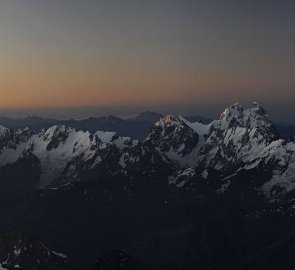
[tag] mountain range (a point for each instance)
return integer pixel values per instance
(136, 127)
(188, 195)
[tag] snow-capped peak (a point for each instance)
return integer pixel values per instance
(3, 131)
(174, 137)
(168, 120)
(255, 117)
(57, 131)
(233, 111)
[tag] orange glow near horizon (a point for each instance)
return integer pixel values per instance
(108, 53)
(46, 89)
(42, 82)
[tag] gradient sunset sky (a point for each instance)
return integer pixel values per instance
(192, 57)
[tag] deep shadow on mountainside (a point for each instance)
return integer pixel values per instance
(188, 196)
(160, 228)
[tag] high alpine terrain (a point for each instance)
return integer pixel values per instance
(189, 195)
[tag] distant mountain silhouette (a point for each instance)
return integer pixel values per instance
(136, 128)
